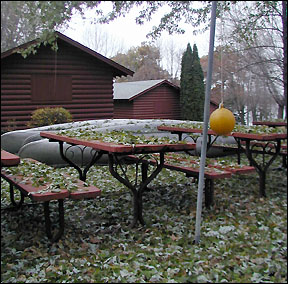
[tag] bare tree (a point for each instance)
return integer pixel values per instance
(96, 38)
(260, 50)
(171, 56)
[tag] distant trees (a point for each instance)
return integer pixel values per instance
(192, 92)
(96, 38)
(22, 21)
(250, 62)
(144, 60)
(15, 27)
(198, 91)
(171, 56)
(244, 93)
(255, 34)
(186, 83)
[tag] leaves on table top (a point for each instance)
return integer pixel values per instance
(41, 174)
(118, 137)
(252, 129)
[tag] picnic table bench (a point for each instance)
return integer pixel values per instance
(9, 159)
(191, 167)
(44, 193)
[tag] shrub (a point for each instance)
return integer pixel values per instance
(11, 126)
(49, 116)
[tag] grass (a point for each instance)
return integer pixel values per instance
(243, 237)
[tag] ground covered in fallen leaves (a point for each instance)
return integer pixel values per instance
(243, 237)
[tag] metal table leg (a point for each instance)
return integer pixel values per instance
(82, 173)
(48, 225)
(16, 204)
(262, 168)
(137, 190)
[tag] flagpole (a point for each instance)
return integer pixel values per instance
(205, 125)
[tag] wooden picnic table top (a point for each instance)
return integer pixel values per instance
(240, 135)
(9, 159)
(270, 123)
(111, 147)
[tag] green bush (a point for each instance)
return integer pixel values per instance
(49, 116)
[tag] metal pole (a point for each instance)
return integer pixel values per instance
(205, 125)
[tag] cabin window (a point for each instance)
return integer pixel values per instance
(47, 88)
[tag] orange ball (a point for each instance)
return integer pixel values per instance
(222, 121)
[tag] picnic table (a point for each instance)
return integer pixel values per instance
(271, 146)
(24, 182)
(117, 154)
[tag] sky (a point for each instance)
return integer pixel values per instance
(128, 33)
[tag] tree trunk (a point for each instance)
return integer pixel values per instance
(280, 111)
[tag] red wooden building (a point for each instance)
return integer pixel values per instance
(150, 99)
(75, 77)
(147, 100)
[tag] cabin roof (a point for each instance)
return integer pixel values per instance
(131, 90)
(118, 70)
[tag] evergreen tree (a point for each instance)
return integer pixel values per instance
(186, 83)
(198, 92)
(192, 92)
